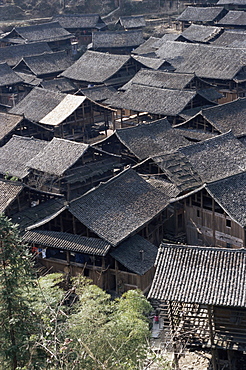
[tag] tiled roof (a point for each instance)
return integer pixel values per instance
(96, 67)
(92, 169)
(234, 18)
(200, 275)
(164, 80)
(45, 32)
(153, 63)
(29, 79)
(199, 33)
(230, 193)
(228, 116)
(9, 190)
(43, 211)
(168, 188)
(15, 154)
(136, 254)
(153, 100)
(13, 54)
(58, 156)
(201, 14)
(98, 93)
(151, 139)
(46, 63)
(66, 241)
(132, 21)
(178, 169)
(217, 158)
(8, 122)
(63, 85)
(120, 207)
(79, 21)
(8, 76)
(149, 46)
(117, 39)
(206, 61)
(231, 39)
(37, 104)
(48, 107)
(194, 135)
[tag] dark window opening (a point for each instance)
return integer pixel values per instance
(228, 223)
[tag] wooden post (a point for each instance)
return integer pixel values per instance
(175, 359)
(213, 350)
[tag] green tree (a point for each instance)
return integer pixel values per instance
(16, 316)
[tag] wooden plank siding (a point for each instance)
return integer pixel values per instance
(210, 226)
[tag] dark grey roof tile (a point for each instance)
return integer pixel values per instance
(200, 275)
(136, 254)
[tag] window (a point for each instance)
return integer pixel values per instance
(198, 213)
(228, 223)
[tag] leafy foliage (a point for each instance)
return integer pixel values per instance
(16, 318)
(53, 323)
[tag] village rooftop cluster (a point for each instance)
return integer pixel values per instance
(124, 159)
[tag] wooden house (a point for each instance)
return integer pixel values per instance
(152, 44)
(60, 84)
(215, 214)
(13, 54)
(221, 66)
(201, 216)
(98, 93)
(81, 25)
(234, 19)
(201, 15)
(201, 294)
(13, 124)
(70, 168)
(16, 197)
(231, 39)
(220, 119)
(233, 4)
(66, 116)
(95, 68)
(215, 158)
(116, 42)
(24, 148)
(170, 80)
(148, 47)
(135, 144)
(52, 33)
(199, 33)
(114, 234)
(131, 22)
(151, 103)
(11, 87)
(44, 66)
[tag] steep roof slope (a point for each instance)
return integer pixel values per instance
(150, 139)
(230, 193)
(15, 154)
(206, 61)
(201, 14)
(94, 66)
(46, 63)
(57, 156)
(120, 207)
